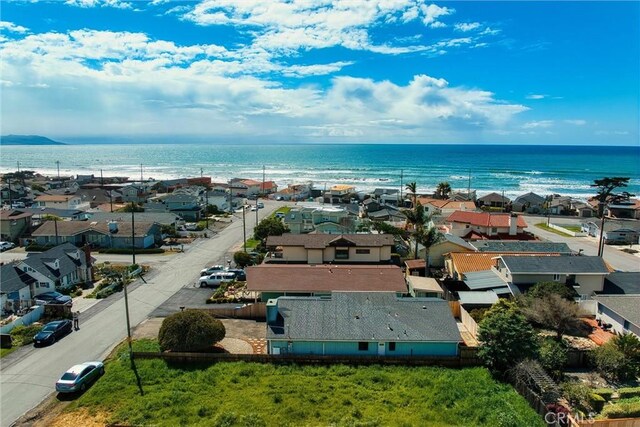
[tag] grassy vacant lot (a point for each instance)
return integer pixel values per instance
(545, 227)
(247, 394)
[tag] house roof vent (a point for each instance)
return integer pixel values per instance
(113, 227)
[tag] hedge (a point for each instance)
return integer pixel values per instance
(605, 393)
(628, 392)
(596, 401)
(128, 251)
(37, 248)
(622, 409)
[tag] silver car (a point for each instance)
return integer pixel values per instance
(210, 270)
(78, 377)
(216, 279)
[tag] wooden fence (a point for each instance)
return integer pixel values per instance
(468, 322)
(463, 360)
(455, 308)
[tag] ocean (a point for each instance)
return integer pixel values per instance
(567, 170)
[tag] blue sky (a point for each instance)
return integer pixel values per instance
(343, 71)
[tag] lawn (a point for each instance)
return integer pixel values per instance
(248, 394)
(283, 209)
(545, 227)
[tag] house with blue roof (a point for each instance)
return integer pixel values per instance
(361, 324)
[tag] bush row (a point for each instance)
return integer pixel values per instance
(128, 251)
(627, 392)
(622, 409)
(605, 393)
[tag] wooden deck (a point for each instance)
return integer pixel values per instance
(598, 336)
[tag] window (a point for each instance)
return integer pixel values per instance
(556, 277)
(363, 346)
(494, 230)
(342, 253)
(392, 346)
(363, 251)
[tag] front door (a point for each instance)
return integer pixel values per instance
(380, 349)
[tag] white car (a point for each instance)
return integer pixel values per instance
(210, 270)
(216, 279)
(5, 246)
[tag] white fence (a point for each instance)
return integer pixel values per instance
(29, 318)
(468, 322)
(566, 231)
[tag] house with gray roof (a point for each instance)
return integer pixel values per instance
(585, 274)
(620, 311)
(529, 203)
(330, 248)
(521, 246)
(57, 268)
(361, 324)
(622, 283)
(449, 243)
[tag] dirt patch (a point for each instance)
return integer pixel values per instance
(80, 417)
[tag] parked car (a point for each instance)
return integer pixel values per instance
(260, 205)
(210, 270)
(239, 273)
(5, 246)
(52, 332)
(253, 208)
(53, 298)
(191, 226)
(78, 377)
(216, 279)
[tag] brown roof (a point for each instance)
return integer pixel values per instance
(55, 197)
(415, 263)
(325, 278)
(466, 262)
(71, 228)
(13, 214)
(321, 241)
(485, 219)
(448, 204)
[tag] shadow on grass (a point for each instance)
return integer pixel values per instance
(138, 379)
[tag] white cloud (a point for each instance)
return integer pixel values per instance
(577, 122)
(118, 4)
(538, 124)
(11, 27)
(466, 26)
(536, 96)
(432, 12)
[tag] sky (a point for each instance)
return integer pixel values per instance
(344, 71)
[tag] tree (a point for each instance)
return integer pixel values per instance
(242, 259)
(553, 356)
(383, 227)
(190, 330)
(443, 190)
(606, 187)
(427, 237)
(270, 226)
(417, 217)
(131, 207)
(506, 339)
(619, 358)
(553, 312)
(412, 187)
(542, 289)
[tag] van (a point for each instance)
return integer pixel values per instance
(216, 279)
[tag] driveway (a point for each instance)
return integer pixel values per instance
(30, 379)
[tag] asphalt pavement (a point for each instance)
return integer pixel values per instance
(27, 380)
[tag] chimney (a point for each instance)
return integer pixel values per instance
(513, 224)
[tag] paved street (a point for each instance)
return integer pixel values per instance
(589, 245)
(30, 378)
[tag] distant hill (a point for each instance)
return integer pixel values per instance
(27, 140)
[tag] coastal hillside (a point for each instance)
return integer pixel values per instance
(27, 140)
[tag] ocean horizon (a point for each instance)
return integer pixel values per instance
(512, 169)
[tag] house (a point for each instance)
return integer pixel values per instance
(517, 246)
(94, 197)
(294, 192)
(581, 209)
(276, 280)
(559, 205)
(243, 187)
(459, 264)
(618, 231)
(112, 234)
(186, 206)
(329, 248)
(424, 287)
(449, 243)
(445, 207)
(60, 267)
(136, 193)
(12, 192)
(320, 219)
(484, 225)
(621, 283)
(338, 192)
(584, 273)
(493, 200)
(13, 224)
(388, 196)
(529, 203)
(162, 218)
(629, 209)
(361, 324)
(620, 311)
(58, 201)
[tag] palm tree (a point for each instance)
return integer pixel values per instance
(427, 237)
(412, 187)
(417, 217)
(443, 190)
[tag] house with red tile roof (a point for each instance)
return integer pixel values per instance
(485, 225)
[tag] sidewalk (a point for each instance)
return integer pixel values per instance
(82, 304)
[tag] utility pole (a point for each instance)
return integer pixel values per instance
(101, 179)
(230, 197)
(601, 240)
(126, 309)
(200, 172)
(141, 180)
(55, 228)
(244, 230)
(206, 206)
(58, 165)
(10, 198)
(469, 187)
(133, 233)
(111, 200)
(262, 187)
(400, 202)
(502, 202)
(18, 165)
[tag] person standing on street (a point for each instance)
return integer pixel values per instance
(76, 320)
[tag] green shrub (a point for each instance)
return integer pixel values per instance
(606, 393)
(190, 330)
(553, 356)
(23, 335)
(609, 360)
(622, 409)
(109, 290)
(596, 401)
(627, 392)
(578, 395)
(37, 248)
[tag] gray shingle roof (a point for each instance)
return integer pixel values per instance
(159, 217)
(485, 279)
(324, 240)
(555, 264)
(356, 316)
(520, 246)
(62, 253)
(624, 305)
(622, 282)
(13, 279)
